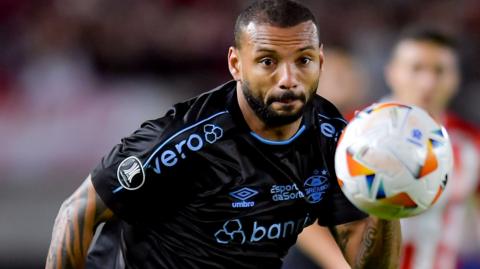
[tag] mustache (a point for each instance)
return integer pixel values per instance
(288, 95)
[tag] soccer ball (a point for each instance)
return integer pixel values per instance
(393, 160)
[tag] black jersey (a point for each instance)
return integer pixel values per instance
(198, 189)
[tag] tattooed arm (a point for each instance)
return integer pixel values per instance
(74, 227)
(370, 243)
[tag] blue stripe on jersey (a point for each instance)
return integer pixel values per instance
(180, 132)
(335, 118)
(283, 142)
(117, 189)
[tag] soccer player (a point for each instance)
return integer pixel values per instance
(424, 71)
(229, 178)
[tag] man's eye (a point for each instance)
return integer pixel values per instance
(266, 61)
(305, 60)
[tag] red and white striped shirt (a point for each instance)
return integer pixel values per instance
(433, 239)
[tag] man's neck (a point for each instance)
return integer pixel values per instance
(260, 128)
(438, 115)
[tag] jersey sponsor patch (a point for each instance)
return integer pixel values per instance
(316, 186)
(130, 173)
(327, 128)
(233, 231)
(286, 192)
(175, 152)
(212, 133)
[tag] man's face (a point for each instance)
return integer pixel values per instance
(278, 69)
(423, 73)
(343, 81)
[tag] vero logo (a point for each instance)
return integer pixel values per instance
(192, 143)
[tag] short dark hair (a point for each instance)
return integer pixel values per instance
(280, 13)
(428, 34)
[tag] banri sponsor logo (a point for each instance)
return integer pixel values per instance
(234, 231)
(194, 142)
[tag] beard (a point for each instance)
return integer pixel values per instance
(265, 112)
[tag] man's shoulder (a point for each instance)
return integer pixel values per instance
(322, 105)
(203, 105)
(325, 110)
(458, 125)
(191, 125)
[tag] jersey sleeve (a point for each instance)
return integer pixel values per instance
(336, 208)
(122, 180)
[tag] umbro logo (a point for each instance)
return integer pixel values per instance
(243, 194)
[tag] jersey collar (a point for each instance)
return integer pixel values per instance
(234, 108)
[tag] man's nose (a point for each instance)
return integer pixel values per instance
(287, 77)
(428, 81)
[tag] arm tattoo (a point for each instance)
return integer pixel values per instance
(74, 227)
(341, 236)
(380, 245)
(366, 247)
(370, 243)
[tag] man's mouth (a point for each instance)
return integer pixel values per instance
(287, 98)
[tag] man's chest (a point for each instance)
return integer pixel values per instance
(258, 185)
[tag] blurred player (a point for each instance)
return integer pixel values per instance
(424, 71)
(226, 179)
(343, 71)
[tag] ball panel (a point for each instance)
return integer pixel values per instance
(439, 192)
(355, 168)
(430, 164)
(381, 191)
(400, 199)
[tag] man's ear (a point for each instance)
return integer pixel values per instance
(234, 64)
(321, 57)
(388, 74)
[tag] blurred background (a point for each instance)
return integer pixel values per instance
(77, 76)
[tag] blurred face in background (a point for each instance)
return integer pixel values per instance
(343, 81)
(277, 69)
(423, 73)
